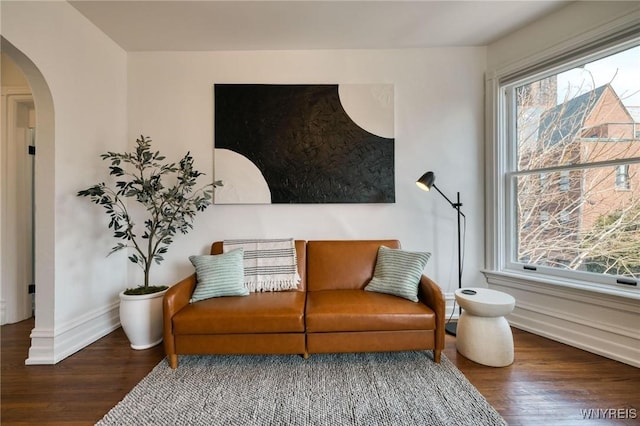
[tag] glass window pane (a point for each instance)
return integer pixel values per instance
(580, 220)
(622, 177)
(587, 114)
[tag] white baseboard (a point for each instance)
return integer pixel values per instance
(600, 345)
(42, 346)
(601, 324)
(50, 346)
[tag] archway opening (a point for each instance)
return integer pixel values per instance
(41, 350)
(16, 189)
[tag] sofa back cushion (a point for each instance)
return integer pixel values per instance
(301, 257)
(342, 265)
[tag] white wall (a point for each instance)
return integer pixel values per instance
(169, 96)
(549, 34)
(11, 74)
(438, 126)
(104, 98)
(85, 71)
(605, 324)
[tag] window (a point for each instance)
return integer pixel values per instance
(572, 162)
(564, 182)
(544, 180)
(622, 177)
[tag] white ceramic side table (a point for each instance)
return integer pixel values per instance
(483, 333)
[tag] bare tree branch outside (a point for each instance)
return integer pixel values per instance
(578, 177)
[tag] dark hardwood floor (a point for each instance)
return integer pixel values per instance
(549, 383)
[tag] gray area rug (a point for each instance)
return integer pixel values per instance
(395, 388)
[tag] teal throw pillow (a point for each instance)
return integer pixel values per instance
(398, 272)
(219, 275)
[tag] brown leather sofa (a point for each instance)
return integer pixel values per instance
(329, 312)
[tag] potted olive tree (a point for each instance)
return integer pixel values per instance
(168, 194)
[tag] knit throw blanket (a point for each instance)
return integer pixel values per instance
(269, 265)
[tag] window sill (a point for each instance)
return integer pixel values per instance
(552, 284)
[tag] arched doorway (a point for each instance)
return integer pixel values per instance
(41, 350)
(18, 145)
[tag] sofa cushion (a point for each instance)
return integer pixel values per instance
(398, 272)
(276, 312)
(342, 265)
(219, 275)
(358, 310)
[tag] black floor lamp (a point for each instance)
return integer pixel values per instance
(426, 182)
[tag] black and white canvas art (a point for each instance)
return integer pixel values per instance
(320, 143)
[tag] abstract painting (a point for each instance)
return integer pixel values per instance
(319, 143)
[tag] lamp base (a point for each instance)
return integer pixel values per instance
(451, 328)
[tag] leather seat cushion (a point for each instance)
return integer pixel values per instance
(272, 312)
(342, 265)
(358, 310)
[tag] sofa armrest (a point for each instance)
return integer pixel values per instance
(176, 298)
(431, 295)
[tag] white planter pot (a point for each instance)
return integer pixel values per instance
(141, 319)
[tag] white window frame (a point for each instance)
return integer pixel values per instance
(501, 190)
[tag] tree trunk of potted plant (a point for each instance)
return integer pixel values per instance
(170, 208)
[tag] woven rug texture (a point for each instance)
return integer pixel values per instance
(388, 388)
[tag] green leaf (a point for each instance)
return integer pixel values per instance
(116, 171)
(166, 191)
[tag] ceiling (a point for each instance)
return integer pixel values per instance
(147, 25)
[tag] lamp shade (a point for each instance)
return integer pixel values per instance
(426, 181)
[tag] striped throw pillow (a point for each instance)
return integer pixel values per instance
(398, 272)
(219, 275)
